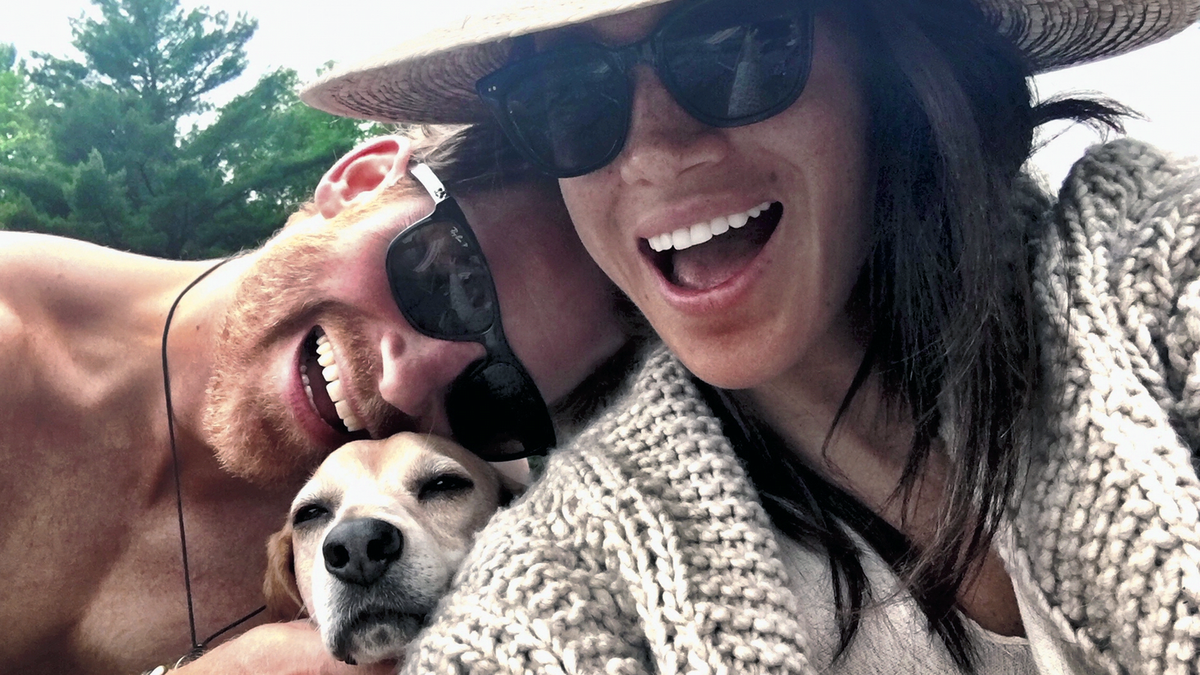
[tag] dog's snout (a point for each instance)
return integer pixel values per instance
(359, 551)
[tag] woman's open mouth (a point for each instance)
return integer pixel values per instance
(321, 377)
(708, 254)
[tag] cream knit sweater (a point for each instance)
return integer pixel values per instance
(644, 549)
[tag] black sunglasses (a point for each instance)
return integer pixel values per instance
(441, 282)
(728, 63)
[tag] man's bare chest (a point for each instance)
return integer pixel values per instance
(102, 589)
(139, 615)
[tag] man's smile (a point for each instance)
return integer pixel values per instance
(321, 376)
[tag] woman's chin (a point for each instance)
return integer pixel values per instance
(722, 368)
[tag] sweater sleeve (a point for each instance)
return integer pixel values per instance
(643, 549)
(536, 595)
(1108, 529)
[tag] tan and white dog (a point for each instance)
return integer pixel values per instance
(375, 537)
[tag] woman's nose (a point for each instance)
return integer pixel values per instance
(418, 370)
(664, 140)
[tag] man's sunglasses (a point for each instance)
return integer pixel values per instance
(441, 282)
(728, 63)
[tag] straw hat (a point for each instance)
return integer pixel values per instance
(431, 78)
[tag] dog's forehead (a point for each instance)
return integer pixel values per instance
(391, 466)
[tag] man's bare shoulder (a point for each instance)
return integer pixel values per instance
(33, 248)
(24, 278)
(34, 267)
(61, 301)
(37, 273)
(15, 351)
(66, 284)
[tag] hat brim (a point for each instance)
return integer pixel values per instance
(431, 78)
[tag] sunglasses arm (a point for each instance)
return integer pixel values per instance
(430, 182)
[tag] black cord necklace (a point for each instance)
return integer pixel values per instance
(198, 647)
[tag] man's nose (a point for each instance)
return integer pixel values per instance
(418, 370)
(664, 140)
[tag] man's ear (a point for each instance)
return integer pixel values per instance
(362, 172)
(279, 585)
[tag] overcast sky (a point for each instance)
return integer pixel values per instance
(1159, 81)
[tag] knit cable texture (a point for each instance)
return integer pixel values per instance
(1109, 526)
(642, 549)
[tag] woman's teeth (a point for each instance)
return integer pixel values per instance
(686, 237)
(333, 384)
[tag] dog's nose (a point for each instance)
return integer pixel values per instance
(359, 551)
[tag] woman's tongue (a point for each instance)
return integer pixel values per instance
(717, 260)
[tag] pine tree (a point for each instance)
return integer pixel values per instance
(114, 164)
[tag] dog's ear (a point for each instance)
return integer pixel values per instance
(279, 586)
(362, 173)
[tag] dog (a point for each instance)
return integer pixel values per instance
(374, 538)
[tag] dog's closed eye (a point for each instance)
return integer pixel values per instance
(309, 512)
(444, 486)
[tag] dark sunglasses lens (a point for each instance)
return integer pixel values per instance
(440, 280)
(736, 63)
(570, 108)
(496, 412)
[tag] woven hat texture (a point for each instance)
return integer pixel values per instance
(430, 78)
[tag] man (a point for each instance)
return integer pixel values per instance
(90, 538)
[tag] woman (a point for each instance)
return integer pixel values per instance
(912, 418)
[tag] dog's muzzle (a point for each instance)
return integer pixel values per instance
(372, 615)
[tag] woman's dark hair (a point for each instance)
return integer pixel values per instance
(946, 299)
(472, 158)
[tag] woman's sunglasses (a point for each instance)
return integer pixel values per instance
(728, 63)
(441, 282)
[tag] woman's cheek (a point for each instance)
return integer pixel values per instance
(591, 207)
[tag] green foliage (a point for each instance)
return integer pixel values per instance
(24, 139)
(94, 150)
(270, 150)
(169, 58)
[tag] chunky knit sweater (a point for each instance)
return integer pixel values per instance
(644, 548)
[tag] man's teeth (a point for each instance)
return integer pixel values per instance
(333, 384)
(686, 237)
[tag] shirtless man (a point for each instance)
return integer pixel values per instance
(89, 533)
